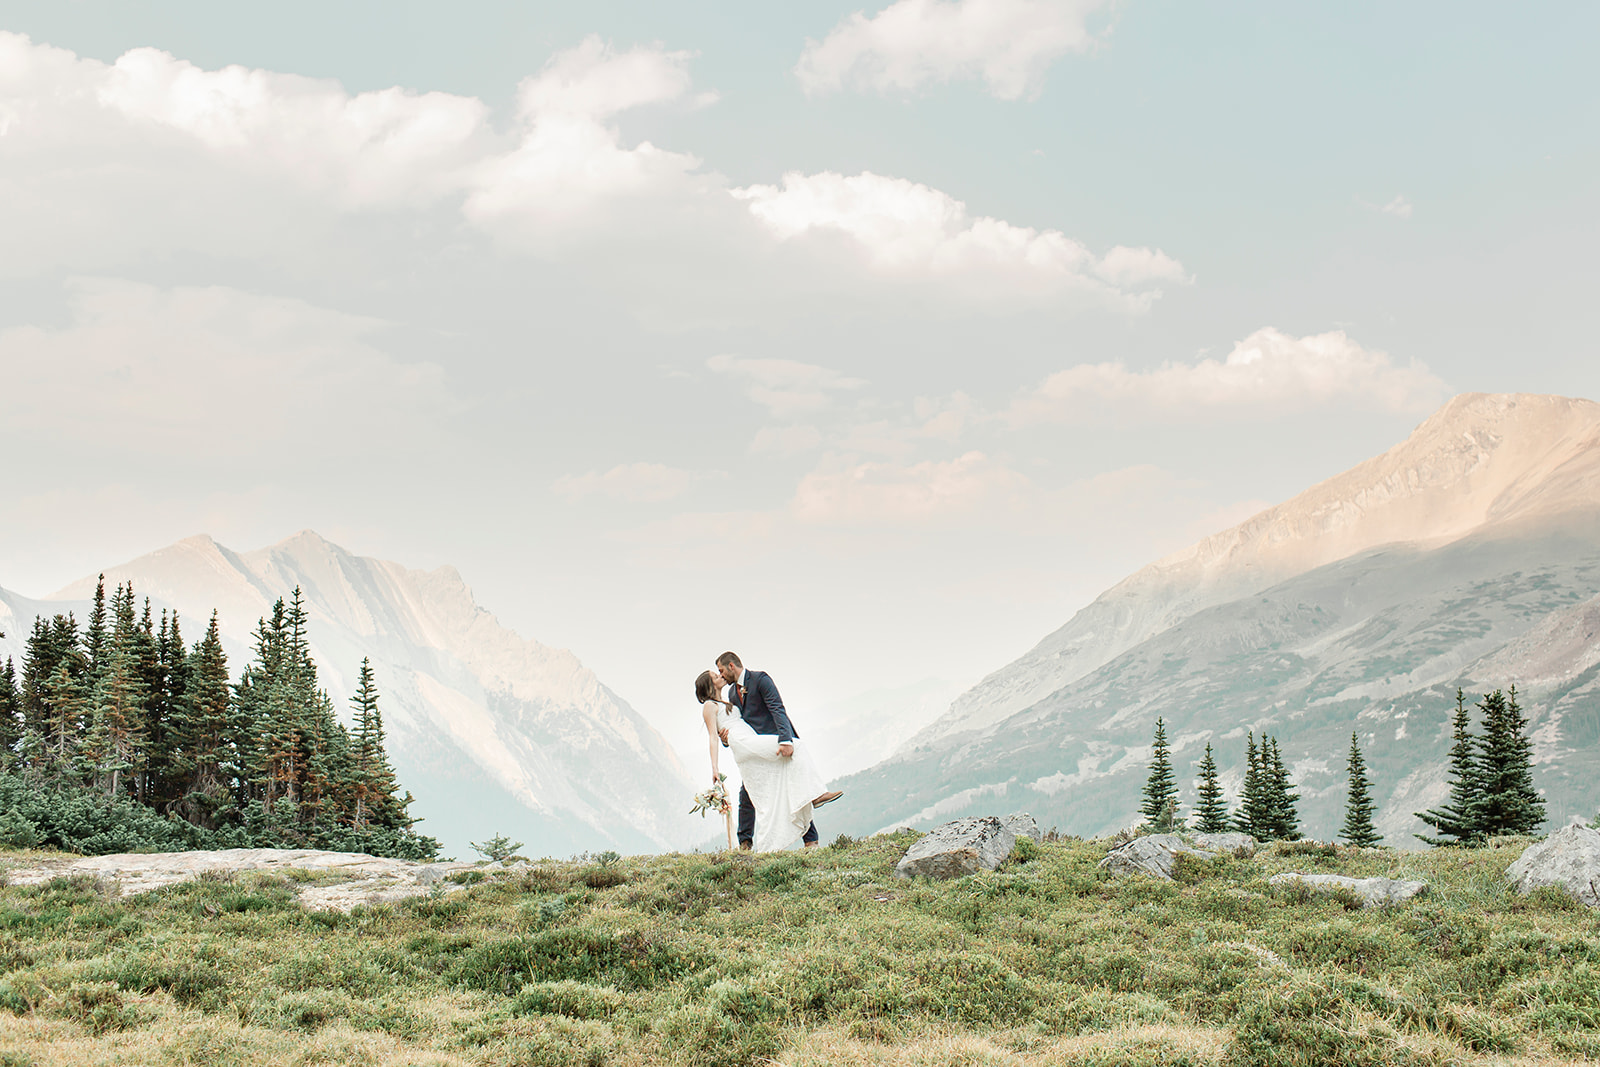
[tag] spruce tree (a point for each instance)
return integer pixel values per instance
(1507, 803)
(205, 759)
(1160, 806)
(1358, 807)
(376, 786)
(1254, 816)
(10, 715)
(1283, 823)
(1454, 823)
(1212, 809)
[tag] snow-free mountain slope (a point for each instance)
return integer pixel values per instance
(492, 732)
(1480, 461)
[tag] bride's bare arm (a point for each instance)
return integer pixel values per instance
(708, 712)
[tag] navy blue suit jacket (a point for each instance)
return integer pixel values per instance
(762, 707)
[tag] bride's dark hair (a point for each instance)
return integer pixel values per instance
(704, 690)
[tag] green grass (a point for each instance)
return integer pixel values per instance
(812, 958)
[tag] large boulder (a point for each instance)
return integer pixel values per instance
(1021, 824)
(1372, 892)
(1568, 859)
(964, 846)
(1154, 855)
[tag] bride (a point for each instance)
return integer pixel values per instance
(781, 787)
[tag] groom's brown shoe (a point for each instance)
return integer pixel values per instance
(744, 846)
(827, 798)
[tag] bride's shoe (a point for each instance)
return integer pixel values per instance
(827, 798)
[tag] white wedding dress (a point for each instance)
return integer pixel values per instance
(781, 789)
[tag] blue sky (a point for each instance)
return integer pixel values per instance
(699, 407)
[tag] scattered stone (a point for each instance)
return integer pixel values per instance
(1568, 859)
(953, 849)
(1154, 855)
(1372, 892)
(1265, 955)
(350, 878)
(1021, 824)
(1235, 843)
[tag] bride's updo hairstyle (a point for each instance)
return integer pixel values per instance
(704, 688)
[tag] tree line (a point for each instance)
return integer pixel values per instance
(1491, 785)
(116, 735)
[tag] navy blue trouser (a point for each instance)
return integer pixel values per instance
(747, 822)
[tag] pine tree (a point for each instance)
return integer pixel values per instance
(1507, 802)
(1160, 806)
(1358, 807)
(94, 638)
(1254, 815)
(1212, 809)
(10, 715)
(376, 786)
(205, 760)
(1283, 822)
(1454, 823)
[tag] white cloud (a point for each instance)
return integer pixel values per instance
(1399, 207)
(905, 228)
(211, 373)
(569, 160)
(914, 43)
(892, 493)
(640, 482)
(1269, 371)
(786, 387)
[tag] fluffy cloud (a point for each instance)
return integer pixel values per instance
(1269, 371)
(905, 228)
(212, 373)
(785, 387)
(570, 160)
(639, 482)
(914, 43)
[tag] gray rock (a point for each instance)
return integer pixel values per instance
(1154, 855)
(1373, 892)
(964, 846)
(1022, 824)
(1568, 859)
(1228, 842)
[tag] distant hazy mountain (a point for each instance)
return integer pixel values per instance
(493, 733)
(867, 728)
(1468, 554)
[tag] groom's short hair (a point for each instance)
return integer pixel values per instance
(727, 658)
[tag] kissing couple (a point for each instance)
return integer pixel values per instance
(782, 786)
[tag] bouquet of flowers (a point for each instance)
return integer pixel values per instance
(716, 798)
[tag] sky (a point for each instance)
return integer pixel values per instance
(870, 342)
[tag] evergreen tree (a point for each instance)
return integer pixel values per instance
(94, 638)
(1160, 806)
(1254, 816)
(1212, 809)
(1358, 806)
(1507, 803)
(1283, 821)
(376, 787)
(113, 747)
(204, 762)
(10, 715)
(1454, 823)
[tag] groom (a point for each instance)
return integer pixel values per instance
(756, 697)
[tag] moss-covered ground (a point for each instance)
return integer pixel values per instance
(813, 958)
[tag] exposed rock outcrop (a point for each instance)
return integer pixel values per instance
(963, 846)
(1154, 855)
(1372, 892)
(1568, 859)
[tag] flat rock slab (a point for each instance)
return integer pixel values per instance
(1154, 855)
(1228, 842)
(1568, 859)
(359, 879)
(1372, 892)
(960, 847)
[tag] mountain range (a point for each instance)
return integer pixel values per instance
(491, 732)
(1468, 555)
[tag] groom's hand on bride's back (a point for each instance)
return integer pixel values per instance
(723, 733)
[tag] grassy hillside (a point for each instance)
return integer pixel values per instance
(810, 959)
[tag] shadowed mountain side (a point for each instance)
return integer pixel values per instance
(1480, 460)
(1375, 643)
(491, 732)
